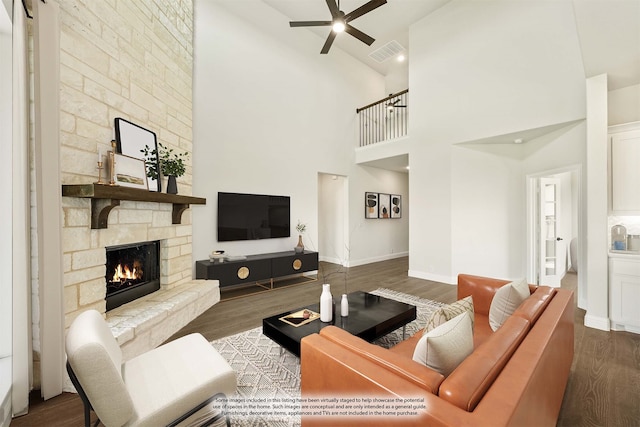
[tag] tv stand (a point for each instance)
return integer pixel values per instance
(263, 272)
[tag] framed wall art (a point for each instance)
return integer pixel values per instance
(371, 205)
(396, 206)
(130, 172)
(131, 139)
(384, 201)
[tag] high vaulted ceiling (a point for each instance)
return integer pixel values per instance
(386, 23)
(608, 30)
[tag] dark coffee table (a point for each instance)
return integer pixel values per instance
(370, 317)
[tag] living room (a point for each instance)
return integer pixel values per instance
(275, 130)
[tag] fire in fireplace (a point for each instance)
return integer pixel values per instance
(132, 272)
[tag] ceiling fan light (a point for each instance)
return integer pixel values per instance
(338, 26)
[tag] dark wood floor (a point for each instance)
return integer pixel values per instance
(603, 389)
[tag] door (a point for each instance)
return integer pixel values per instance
(550, 265)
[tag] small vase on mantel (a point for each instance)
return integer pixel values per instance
(300, 246)
(172, 186)
(326, 304)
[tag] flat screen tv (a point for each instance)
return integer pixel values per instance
(252, 216)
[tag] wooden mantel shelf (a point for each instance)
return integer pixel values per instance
(106, 197)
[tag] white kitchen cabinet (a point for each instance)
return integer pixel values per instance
(624, 169)
(624, 292)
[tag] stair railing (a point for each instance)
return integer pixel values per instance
(384, 120)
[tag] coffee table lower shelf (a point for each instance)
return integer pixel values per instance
(370, 317)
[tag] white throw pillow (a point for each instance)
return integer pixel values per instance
(506, 300)
(446, 346)
(448, 312)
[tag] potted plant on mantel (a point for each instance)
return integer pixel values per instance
(171, 165)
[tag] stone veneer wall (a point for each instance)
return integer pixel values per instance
(129, 59)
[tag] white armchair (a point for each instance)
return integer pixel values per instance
(165, 386)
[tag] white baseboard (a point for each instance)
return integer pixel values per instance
(331, 260)
(433, 277)
(623, 327)
(597, 322)
(355, 263)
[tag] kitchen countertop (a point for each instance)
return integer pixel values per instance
(624, 254)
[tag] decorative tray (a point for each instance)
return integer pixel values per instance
(299, 318)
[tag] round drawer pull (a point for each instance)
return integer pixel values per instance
(243, 273)
(297, 264)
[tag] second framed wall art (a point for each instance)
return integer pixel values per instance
(382, 205)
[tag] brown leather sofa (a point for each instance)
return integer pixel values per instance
(515, 376)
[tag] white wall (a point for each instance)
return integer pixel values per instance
(270, 113)
(377, 239)
(624, 105)
(487, 213)
(397, 79)
(477, 70)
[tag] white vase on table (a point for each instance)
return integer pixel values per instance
(326, 304)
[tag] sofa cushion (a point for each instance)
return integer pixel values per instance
(468, 383)
(506, 300)
(443, 348)
(448, 312)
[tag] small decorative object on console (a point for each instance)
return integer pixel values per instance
(300, 228)
(216, 256)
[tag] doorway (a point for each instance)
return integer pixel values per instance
(554, 226)
(333, 219)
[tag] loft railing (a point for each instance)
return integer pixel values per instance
(385, 119)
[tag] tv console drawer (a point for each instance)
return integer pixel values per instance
(233, 273)
(294, 264)
(256, 268)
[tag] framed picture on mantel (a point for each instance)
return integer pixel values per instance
(131, 139)
(130, 172)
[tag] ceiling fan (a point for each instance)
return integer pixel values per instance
(340, 22)
(391, 105)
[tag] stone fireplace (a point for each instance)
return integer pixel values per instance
(132, 60)
(148, 321)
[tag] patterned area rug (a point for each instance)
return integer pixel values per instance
(267, 373)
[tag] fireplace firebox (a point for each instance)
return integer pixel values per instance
(133, 271)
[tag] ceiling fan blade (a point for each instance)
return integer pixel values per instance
(333, 8)
(309, 23)
(329, 42)
(368, 40)
(365, 8)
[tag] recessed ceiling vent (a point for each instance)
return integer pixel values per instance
(387, 51)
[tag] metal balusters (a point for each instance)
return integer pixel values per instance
(385, 119)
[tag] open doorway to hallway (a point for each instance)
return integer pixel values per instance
(333, 219)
